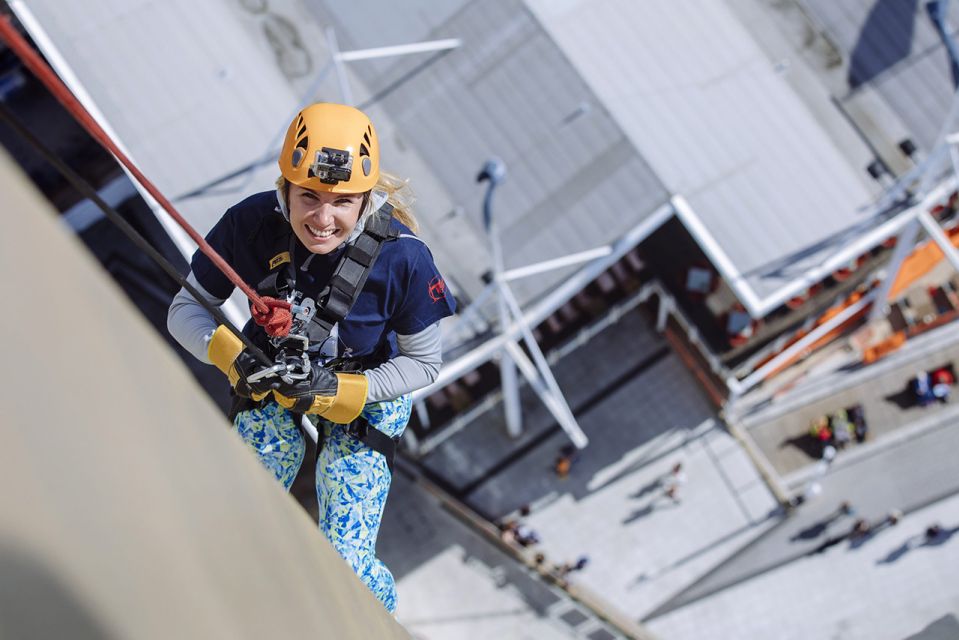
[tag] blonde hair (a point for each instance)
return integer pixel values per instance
(398, 194)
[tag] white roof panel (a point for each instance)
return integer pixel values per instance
(710, 114)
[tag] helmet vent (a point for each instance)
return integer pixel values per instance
(363, 150)
(367, 166)
(302, 142)
(366, 136)
(297, 158)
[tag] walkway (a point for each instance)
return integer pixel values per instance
(780, 428)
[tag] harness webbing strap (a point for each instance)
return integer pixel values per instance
(353, 269)
(375, 439)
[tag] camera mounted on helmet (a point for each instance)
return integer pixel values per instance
(332, 165)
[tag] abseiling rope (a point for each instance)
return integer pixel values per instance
(32, 60)
(87, 191)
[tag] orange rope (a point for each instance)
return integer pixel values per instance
(32, 60)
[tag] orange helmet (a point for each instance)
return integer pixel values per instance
(331, 147)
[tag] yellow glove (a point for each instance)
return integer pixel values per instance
(228, 354)
(336, 397)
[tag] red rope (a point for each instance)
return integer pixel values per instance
(32, 60)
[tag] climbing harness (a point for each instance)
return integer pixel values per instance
(312, 324)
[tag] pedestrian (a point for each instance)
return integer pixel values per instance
(562, 465)
(567, 568)
(860, 528)
(525, 535)
(675, 482)
(858, 418)
(922, 388)
(820, 430)
(893, 518)
(942, 381)
(334, 247)
(841, 429)
(507, 531)
(568, 454)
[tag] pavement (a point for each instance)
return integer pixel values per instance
(896, 586)
(453, 583)
(906, 476)
(673, 564)
(643, 412)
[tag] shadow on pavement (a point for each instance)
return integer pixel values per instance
(806, 443)
(931, 538)
(945, 628)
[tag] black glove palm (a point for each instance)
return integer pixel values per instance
(338, 397)
(321, 382)
(227, 352)
(246, 366)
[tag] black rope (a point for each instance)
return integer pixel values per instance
(89, 192)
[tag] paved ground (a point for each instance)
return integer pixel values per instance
(641, 420)
(891, 588)
(481, 451)
(906, 474)
(454, 584)
(676, 564)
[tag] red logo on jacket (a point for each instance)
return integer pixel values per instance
(437, 289)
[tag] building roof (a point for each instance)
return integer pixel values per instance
(575, 181)
(602, 110)
(720, 126)
(892, 47)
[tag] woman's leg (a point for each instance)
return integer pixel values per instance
(275, 438)
(352, 483)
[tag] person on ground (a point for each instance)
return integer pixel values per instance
(336, 240)
(942, 381)
(675, 482)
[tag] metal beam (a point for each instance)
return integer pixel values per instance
(556, 263)
(905, 242)
(800, 345)
(940, 238)
(544, 384)
(864, 243)
(399, 50)
(547, 306)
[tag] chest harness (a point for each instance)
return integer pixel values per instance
(313, 323)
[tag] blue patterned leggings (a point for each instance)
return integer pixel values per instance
(352, 480)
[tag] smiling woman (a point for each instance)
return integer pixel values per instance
(323, 221)
(335, 243)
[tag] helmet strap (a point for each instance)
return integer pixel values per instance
(372, 201)
(282, 193)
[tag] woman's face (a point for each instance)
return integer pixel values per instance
(323, 221)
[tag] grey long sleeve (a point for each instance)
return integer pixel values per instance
(417, 364)
(189, 323)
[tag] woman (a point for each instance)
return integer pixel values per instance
(332, 214)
